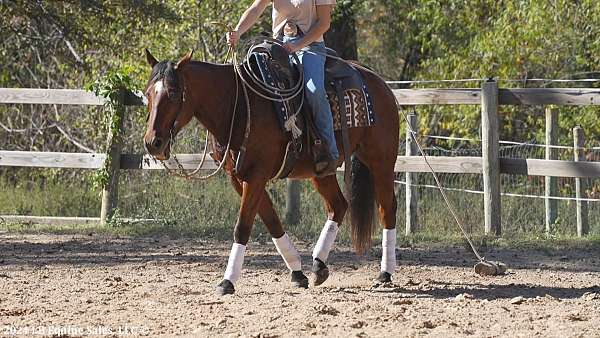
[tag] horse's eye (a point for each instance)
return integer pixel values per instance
(174, 96)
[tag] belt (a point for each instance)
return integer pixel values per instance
(291, 30)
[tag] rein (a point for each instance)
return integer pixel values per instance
(260, 88)
(192, 175)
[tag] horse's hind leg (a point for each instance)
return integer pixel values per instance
(383, 181)
(336, 206)
(282, 241)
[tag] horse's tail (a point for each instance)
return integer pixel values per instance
(362, 206)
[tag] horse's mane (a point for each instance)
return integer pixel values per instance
(166, 70)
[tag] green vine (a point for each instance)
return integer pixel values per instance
(112, 88)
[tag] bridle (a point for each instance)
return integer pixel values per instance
(181, 90)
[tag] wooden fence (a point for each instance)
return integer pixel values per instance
(490, 165)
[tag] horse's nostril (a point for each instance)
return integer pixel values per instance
(157, 143)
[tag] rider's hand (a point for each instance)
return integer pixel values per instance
(291, 47)
(233, 38)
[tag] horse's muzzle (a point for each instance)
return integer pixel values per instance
(158, 148)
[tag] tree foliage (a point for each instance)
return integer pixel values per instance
(68, 44)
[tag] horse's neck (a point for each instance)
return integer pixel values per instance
(212, 94)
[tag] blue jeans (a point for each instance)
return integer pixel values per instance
(314, 93)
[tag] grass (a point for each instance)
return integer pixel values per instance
(209, 210)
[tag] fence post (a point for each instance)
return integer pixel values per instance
(292, 202)
(110, 192)
(411, 192)
(490, 144)
(582, 206)
(551, 154)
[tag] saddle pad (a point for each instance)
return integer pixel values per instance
(265, 69)
(359, 109)
(358, 103)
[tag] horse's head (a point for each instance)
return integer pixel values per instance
(167, 113)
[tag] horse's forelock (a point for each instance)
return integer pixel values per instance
(164, 70)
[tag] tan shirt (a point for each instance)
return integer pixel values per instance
(301, 12)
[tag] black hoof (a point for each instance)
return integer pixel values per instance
(384, 277)
(225, 288)
(320, 270)
(299, 280)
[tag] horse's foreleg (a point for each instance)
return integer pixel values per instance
(282, 241)
(251, 197)
(336, 206)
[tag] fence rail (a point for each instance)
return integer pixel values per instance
(490, 165)
(416, 164)
(506, 96)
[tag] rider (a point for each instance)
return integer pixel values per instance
(300, 24)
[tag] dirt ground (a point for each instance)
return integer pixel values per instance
(69, 286)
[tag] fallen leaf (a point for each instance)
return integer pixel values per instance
(428, 325)
(358, 325)
(576, 317)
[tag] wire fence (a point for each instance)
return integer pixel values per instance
(523, 204)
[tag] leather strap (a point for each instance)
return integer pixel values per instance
(345, 137)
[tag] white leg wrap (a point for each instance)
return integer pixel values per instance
(388, 256)
(326, 240)
(290, 255)
(234, 265)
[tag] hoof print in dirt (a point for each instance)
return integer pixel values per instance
(299, 280)
(320, 270)
(384, 277)
(225, 288)
(326, 310)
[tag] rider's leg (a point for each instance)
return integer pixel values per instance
(313, 62)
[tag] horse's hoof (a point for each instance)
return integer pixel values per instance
(225, 288)
(299, 280)
(384, 277)
(320, 270)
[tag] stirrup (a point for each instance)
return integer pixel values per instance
(327, 168)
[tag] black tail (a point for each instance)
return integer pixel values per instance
(362, 206)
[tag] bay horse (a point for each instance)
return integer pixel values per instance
(179, 91)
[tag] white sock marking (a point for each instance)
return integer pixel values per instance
(290, 255)
(326, 239)
(235, 262)
(388, 255)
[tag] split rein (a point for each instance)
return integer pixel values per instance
(181, 172)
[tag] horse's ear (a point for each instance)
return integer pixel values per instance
(185, 60)
(151, 59)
